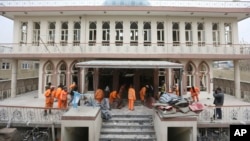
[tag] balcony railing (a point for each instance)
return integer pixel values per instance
(176, 3)
(134, 48)
(28, 115)
(239, 114)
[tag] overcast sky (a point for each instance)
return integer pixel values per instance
(6, 30)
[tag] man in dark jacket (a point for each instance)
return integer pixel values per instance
(218, 102)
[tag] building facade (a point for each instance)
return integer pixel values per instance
(61, 34)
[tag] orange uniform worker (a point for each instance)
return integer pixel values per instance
(131, 98)
(64, 98)
(143, 93)
(58, 94)
(99, 95)
(49, 99)
(112, 96)
(195, 91)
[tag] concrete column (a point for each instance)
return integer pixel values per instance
(126, 32)
(170, 79)
(30, 33)
(112, 33)
(208, 33)
(43, 32)
(140, 33)
(222, 33)
(195, 36)
(42, 80)
(136, 82)
(14, 78)
(156, 83)
(58, 32)
(154, 33)
(96, 79)
(168, 32)
(82, 81)
(70, 32)
(68, 77)
(84, 32)
(237, 79)
(99, 33)
(182, 33)
(115, 79)
(17, 27)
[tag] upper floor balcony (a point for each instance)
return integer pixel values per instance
(154, 50)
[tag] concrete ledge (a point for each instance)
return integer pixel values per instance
(81, 113)
(84, 118)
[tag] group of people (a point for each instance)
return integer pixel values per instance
(59, 94)
(109, 97)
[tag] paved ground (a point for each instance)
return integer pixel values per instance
(29, 99)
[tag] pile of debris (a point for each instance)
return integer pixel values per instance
(170, 105)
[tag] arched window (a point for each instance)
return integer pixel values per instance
(147, 33)
(36, 34)
(190, 75)
(118, 33)
(77, 34)
(62, 73)
(216, 34)
(51, 33)
(74, 74)
(176, 34)
(133, 34)
(64, 33)
(105, 33)
(228, 33)
(92, 33)
(201, 34)
(160, 33)
(188, 34)
(203, 77)
(24, 31)
(48, 73)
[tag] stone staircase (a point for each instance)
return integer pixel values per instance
(128, 128)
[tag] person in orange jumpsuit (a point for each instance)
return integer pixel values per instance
(63, 98)
(58, 94)
(195, 91)
(112, 96)
(99, 95)
(49, 99)
(131, 98)
(143, 93)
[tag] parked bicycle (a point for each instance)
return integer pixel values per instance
(37, 134)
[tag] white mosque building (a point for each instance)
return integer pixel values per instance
(115, 42)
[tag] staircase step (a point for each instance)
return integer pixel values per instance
(127, 131)
(127, 137)
(132, 116)
(124, 124)
(128, 128)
